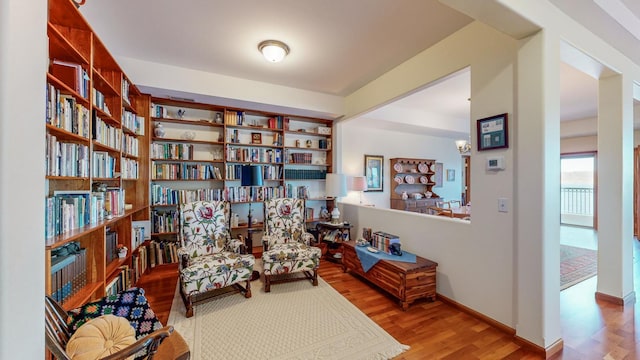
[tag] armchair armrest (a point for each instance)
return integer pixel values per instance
(149, 342)
(237, 246)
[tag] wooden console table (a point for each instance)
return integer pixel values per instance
(404, 281)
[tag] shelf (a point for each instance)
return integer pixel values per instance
(187, 180)
(102, 147)
(307, 133)
(67, 136)
(207, 123)
(254, 145)
(189, 161)
(253, 128)
(203, 142)
(305, 148)
(65, 89)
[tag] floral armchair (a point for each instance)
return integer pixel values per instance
(287, 246)
(209, 258)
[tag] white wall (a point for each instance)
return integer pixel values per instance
(491, 56)
(23, 65)
(360, 140)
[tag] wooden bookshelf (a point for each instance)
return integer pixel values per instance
(80, 67)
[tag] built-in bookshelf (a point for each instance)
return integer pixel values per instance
(97, 146)
(198, 150)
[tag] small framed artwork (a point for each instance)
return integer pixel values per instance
(256, 138)
(493, 132)
(451, 175)
(373, 171)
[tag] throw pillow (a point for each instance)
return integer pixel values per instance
(102, 336)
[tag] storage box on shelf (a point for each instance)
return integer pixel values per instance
(95, 133)
(415, 178)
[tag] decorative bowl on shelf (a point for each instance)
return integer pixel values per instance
(409, 179)
(397, 167)
(398, 179)
(423, 168)
(423, 180)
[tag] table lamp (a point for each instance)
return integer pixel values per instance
(359, 184)
(251, 176)
(336, 187)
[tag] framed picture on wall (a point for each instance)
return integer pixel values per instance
(373, 172)
(451, 175)
(493, 132)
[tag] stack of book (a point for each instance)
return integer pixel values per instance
(68, 275)
(381, 241)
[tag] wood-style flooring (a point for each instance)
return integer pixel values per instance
(436, 330)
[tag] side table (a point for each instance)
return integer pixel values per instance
(332, 235)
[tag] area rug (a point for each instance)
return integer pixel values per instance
(294, 321)
(576, 265)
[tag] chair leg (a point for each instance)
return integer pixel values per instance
(187, 303)
(247, 293)
(315, 277)
(267, 283)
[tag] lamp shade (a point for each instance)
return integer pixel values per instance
(336, 185)
(251, 175)
(358, 183)
(273, 50)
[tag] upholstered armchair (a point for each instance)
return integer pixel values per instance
(287, 245)
(209, 258)
(120, 326)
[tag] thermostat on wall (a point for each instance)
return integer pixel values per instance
(495, 163)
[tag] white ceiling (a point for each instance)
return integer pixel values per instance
(336, 46)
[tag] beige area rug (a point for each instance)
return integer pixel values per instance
(294, 321)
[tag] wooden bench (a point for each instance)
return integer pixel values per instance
(405, 281)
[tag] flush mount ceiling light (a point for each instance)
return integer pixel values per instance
(273, 50)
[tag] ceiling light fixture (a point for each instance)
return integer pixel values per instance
(273, 50)
(463, 146)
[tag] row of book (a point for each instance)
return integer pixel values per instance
(103, 165)
(130, 145)
(300, 158)
(120, 282)
(111, 245)
(129, 168)
(68, 275)
(99, 101)
(106, 134)
(234, 117)
(133, 122)
(62, 111)
(69, 210)
(381, 241)
(251, 154)
(252, 193)
(171, 151)
(73, 75)
(65, 159)
(162, 252)
(305, 174)
(299, 192)
(164, 221)
(269, 172)
(164, 195)
(180, 171)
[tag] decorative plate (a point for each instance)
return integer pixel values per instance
(397, 167)
(372, 249)
(423, 168)
(423, 180)
(409, 179)
(398, 179)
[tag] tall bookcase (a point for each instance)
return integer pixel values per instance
(97, 137)
(200, 149)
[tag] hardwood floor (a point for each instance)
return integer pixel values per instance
(591, 329)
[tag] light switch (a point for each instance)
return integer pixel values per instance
(503, 205)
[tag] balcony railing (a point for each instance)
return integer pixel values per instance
(576, 201)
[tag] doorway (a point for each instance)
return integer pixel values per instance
(578, 189)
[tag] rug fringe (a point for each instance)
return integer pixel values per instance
(393, 352)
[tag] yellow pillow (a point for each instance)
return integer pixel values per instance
(100, 337)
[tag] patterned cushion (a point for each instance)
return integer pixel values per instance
(215, 271)
(284, 219)
(290, 258)
(204, 227)
(99, 337)
(130, 304)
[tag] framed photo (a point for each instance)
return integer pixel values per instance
(493, 132)
(451, 175)
(373, 171)
(256, 138)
